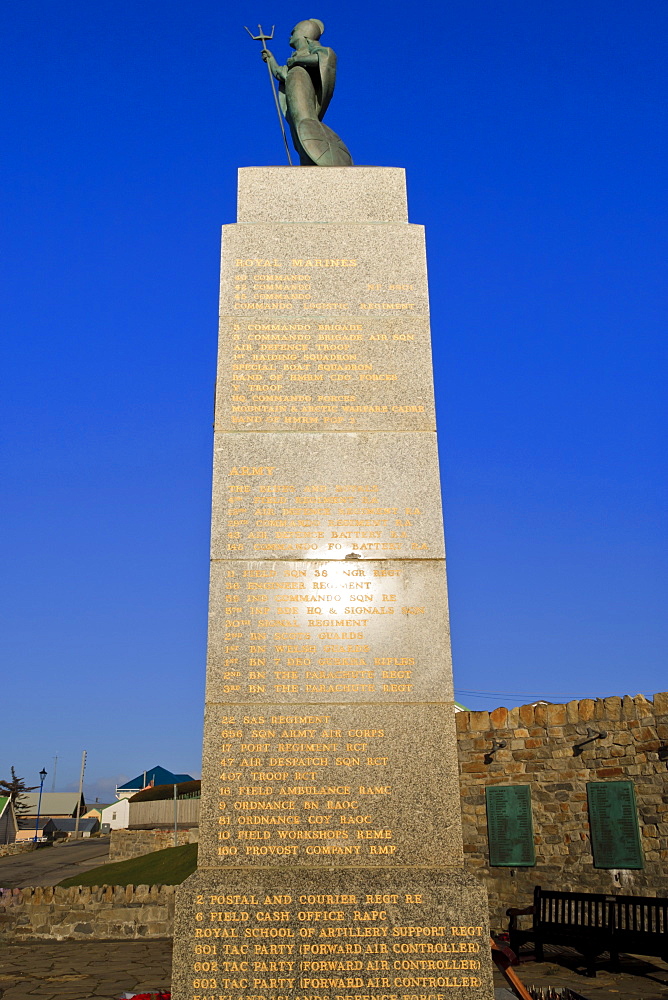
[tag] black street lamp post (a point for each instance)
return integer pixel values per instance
(42, 776)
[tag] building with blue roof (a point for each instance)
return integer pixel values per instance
(147, 779)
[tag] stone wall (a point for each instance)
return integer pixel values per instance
(126, 844)
(87, 913)
(539, 752)
(17, 848)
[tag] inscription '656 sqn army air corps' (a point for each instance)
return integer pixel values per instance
(330, 861)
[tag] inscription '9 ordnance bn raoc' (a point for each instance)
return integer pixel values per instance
(330, 858)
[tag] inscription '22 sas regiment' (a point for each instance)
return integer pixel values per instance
(330, 862)
(278, 798)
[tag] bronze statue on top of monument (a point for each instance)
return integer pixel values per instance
(306, 84)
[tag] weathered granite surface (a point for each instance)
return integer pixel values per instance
(358, 799)
(367, 372)
(393, 933)
(330, 841)
(338, 194)
(337, 631)
(326, 496)
(352, 270)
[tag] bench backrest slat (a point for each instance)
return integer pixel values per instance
(597, 911)
(641, 914)
(574, 909)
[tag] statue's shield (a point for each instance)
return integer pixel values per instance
(322, 145)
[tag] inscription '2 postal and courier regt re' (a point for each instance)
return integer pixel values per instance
(330, 860)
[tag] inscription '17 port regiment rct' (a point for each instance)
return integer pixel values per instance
(330, 859)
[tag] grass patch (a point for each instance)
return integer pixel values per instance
(168, 867)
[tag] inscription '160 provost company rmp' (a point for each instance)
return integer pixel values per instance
(330, 857)
(323, 787)
(280, 800)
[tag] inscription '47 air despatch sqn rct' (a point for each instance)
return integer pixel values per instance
(330, 861)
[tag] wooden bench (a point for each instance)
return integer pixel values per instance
(593, 923)
(640, 926)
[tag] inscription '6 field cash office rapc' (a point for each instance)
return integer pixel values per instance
(330, 859)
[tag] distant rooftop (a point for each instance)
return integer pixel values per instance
(153, 776)
(69, 825)
(53, 803)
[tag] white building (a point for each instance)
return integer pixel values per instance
(117, 815)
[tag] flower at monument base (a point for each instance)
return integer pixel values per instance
(146, 996)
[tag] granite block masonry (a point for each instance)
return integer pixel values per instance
(330, 860)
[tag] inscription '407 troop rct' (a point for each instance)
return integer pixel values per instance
(330, 859)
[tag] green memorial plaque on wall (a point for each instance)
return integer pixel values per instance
(613, 817)
(510, 826)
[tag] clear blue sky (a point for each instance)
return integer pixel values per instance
(534, 136)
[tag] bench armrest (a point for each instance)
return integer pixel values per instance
(514, 912)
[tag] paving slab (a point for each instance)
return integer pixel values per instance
(639, 978)
(77, 970)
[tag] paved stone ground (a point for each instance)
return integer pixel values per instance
(638, 979)
(77, 970)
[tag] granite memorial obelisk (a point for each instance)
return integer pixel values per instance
(330, 857)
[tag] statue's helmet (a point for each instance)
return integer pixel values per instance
(311, 29)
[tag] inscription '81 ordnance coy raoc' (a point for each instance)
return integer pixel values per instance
(305, 88)
(330, 860)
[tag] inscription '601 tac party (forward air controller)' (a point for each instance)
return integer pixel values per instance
(306, 84)
(330, 862)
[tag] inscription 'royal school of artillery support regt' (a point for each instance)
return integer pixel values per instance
(330, 861)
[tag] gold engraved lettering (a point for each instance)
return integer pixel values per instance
(325, 306)
(245, 470)
(326, 262)
(256, 262)
(384, 306)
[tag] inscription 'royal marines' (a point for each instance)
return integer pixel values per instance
(330, 862)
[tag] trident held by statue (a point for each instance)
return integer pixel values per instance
(267, 38)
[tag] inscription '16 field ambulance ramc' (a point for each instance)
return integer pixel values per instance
(330, 858)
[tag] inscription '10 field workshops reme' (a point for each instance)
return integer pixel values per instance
(330, 861)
